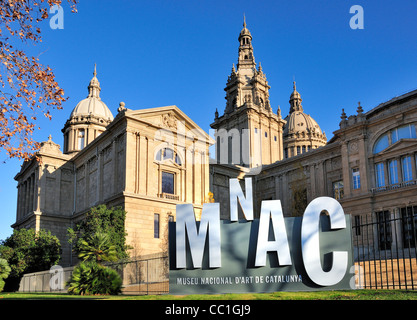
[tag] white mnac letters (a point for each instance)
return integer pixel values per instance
(186, 221)
(311, 245)
(271, 212)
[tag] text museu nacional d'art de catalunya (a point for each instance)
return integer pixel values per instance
(272, 253)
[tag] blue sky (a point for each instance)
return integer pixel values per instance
(159, 53)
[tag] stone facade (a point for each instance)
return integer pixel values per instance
(146, 161)
(369, 165)
(150, 160)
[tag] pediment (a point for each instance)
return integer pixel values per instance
(399, 146)
(170, 118)
(170, 162)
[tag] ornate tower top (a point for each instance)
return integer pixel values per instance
(248, 114)
(94, 86)
(246, 58)
(295, 100)
(246, 85)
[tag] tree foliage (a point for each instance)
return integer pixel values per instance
(27, 87)
(97, 248)
(29, 251)
(98, 220)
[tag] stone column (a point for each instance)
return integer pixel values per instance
(346, 170)
(57, 193)
(130, 161)
(313, 180)
(399, 169)
(19, 202)
(362, 164)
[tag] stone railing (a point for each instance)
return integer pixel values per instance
(169, 196)
(394, 186)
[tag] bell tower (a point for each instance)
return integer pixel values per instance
(249, 133)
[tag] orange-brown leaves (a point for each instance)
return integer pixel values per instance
(26, 86)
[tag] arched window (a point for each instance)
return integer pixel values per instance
(168, 154)
(381, 144)
(404, 132)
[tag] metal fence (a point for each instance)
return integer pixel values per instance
(141, 275)
(144, 275)
(385, 249)
(46, 281)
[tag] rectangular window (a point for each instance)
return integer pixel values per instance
(168, 183)
(356, 178)
(156, 225)
(406, 168)
(380, 176)
(393, 172)
(81, 139)
(338, 190)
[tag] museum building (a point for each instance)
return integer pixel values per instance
(150, 160)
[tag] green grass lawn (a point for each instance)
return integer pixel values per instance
(316, 295)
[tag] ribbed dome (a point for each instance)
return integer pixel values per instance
(92, 105)
(298, 122)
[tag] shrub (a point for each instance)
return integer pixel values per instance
(4, 272)
(92, 278)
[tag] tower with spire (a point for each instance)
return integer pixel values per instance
(249, 133)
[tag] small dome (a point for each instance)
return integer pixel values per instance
(245, 31)
(92, 105)
(295, 94)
